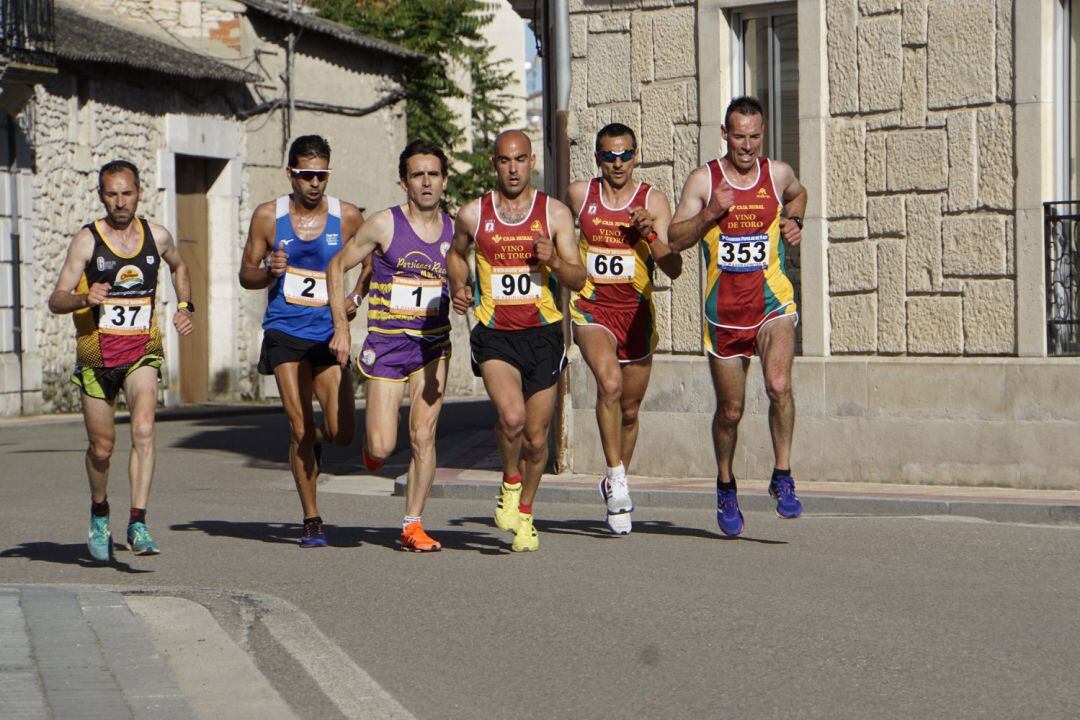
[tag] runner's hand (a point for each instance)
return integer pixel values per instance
(181, 320)
(350, 308)
(341, 345)
(462, 299)
(791, 231)
(544, 250)
(277, 262)
(97, 294)
(642, 220)
(721, 200)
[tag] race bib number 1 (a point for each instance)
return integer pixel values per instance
(610, 265)
(125, 316)
(305, 287)
(515, 285)
(743, 253)
(415, 296)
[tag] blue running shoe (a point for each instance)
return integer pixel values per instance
(99, 541)
(782, 490)
(728, 515)
(139, 540)
(314, 535)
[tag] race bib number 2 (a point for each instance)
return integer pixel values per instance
(743, 253)
(305, 287)
(610, 265)
(125, 316)
(415, 296)
(515, 285)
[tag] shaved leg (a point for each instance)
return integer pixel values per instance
(425, 402)
(100, 422)
(597, 346)
(294, 383)
(333, 388)
(776, 345)
(539, 407)
(140, 389)
(503, 383)
(635, 380)
(381, 416)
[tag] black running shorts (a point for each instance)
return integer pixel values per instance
(279, 347)
(539, 353)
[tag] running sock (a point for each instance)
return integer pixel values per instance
(525, 508)
(409, 520)
(617, 471)
(137, 515)
(373, 464)
(100, 509)
(315, 519)
(511, 480)
(726, 486)
(777, 472)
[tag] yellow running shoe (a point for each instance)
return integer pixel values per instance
(525, 539)
(506, 507)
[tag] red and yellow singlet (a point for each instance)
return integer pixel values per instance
(744, 256)
(515, 290)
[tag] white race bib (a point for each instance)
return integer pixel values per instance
(515, 285)
(125, 316)
(743, 253)
(305, 287)
(415, 296)
(610, 265)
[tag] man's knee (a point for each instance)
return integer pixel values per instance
(609, 388)
(303, 432)
(142, 432)
(729, 413)
(778, 388)
(512, 422)
(630, 413)
(100, 450)
(422, 438)
(342, 435)
(535, 446)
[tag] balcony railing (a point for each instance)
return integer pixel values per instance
(28, 32)
(1062, 222)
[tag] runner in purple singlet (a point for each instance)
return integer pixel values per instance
(408, 337)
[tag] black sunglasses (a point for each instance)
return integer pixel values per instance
(309, 175)
(608, 156)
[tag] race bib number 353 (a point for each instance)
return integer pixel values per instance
(743, 253)
(415, 296)
(610, 265)
(125, 316)
(305, 287)
(515, 285)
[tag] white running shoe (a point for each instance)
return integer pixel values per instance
(616, 494)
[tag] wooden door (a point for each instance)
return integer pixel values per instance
(192, 183)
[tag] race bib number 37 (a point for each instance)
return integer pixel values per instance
(415, 296)
(515, 285)
(305, 287)
(610, 265)
(743, 253)
(125, 316)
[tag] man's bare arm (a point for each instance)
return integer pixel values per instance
(670, 262)
(181, 281)
(260, 242)
(794, 197)
(371, 235)
(698, 210)
(64, 299)
(567, 262)
(457, 264)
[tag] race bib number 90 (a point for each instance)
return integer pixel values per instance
(515, 285)
(305, 287)
(125, 316)
(743, 253)
(420, 297)
(610, 265)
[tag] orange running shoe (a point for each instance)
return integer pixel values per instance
(414, 539)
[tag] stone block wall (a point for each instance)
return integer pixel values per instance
(920, 177)
(635, 62)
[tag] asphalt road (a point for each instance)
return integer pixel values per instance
(827, 616)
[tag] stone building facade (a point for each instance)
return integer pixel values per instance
(195, 81)
(927, 141)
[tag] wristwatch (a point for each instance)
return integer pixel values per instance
(186, 305)
(356, 299)
(797, 220)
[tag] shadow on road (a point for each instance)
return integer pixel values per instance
(341, 536)
(74, 554)
(264, 438)
(598, 529)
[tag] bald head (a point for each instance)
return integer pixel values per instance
(513, 161)
(512, 142)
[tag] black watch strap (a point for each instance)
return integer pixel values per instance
(186, 305)
(797, 220)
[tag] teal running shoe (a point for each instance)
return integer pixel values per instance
(139, 540)
(99, 541)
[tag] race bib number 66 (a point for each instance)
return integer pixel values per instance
(610, 265)
(305, 287)
(515, 285)
(743, 253)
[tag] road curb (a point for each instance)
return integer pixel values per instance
(993, 510)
